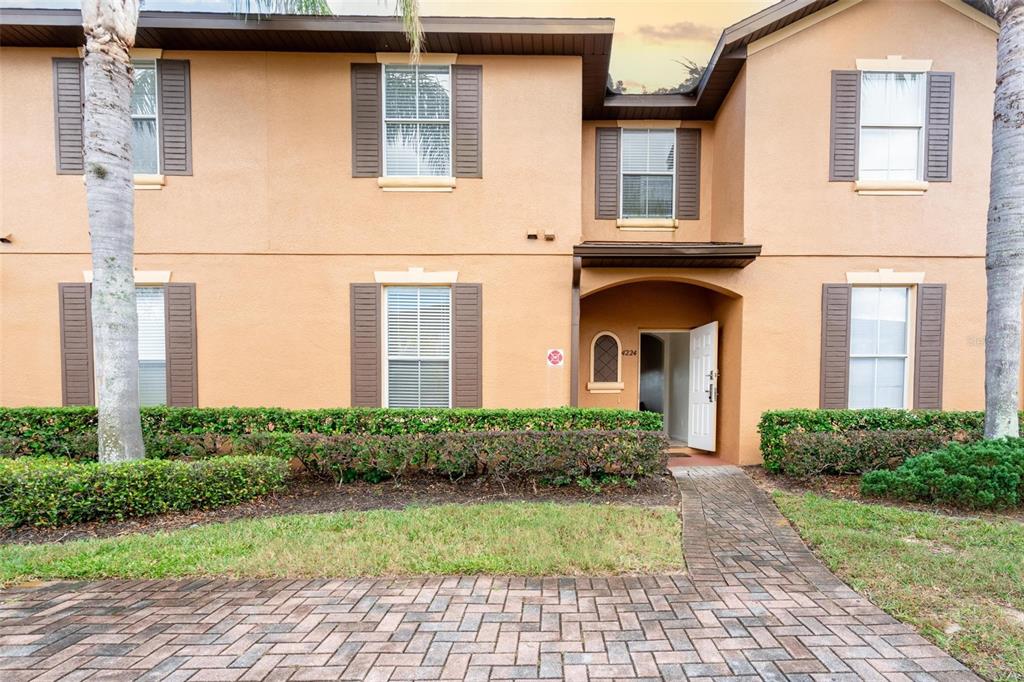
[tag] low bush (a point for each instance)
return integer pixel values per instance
(806, 454)
(775, 425)
(587, 454)
(983, 475)
(71, 431)
(52, 491)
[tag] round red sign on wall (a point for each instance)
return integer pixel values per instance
(555, 358)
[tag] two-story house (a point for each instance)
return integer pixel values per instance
(322, 223)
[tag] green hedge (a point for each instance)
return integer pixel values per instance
(776, 424)
(983, 475)
(504, 454)
(49, 491)
(62, 431)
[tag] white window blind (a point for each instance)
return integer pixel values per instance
(149, 302)
(648, 173)
(879, 344)
(418, 331)
(417, 120)
(892, 125)
(145, 145)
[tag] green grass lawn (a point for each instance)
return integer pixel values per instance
(959, 581)
(500, 538)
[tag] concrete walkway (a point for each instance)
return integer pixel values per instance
(755, 604)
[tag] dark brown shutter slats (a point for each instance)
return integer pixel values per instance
(68, 122)
(467, 121)
(467, 345)
(175, 111)
(606, 153)
(939, 128)
(835, 345)
(180, 330)
(688, 174)
(76, 359)
(845, 126)
(365, 342)
(366, 121)
(928, 346)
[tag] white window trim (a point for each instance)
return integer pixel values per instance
(908, 367)
(142, 277)
(895, 63)
(151, 180)
(913, 187)
(416, 179)
(415, 276)
(885, 277)
(606, 386)
(644, 222)
(387, 356)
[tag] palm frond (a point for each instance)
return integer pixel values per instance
(259, 8)
(410, 11)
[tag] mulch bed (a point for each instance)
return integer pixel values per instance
(308, 495)
(848, 488)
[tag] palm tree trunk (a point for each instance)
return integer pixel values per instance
(1004, 260)
(109, 33)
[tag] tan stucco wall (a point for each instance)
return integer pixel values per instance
(728, 178)
(687, 230)
(272, 228)
(790, 206)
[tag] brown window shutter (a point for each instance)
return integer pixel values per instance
(68, 121)
(606, 152)
(688, 174)
(175, 111)
(467, 121)
(845, 126)
(76, 359)
(467, 345)
(835, 345)
(939, 128)
(366, 350)
(928, 346)
(366, 121)
(180, 329)
(606, 359)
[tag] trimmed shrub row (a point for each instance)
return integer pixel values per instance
(776, 425)
(64, 431)
(984, 475)
(503, 454)
(49, 492)
(812, 453)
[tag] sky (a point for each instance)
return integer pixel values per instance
(649, 34)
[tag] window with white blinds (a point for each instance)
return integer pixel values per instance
(879, 347)
(417, 342)
(648, 173)
(417, 120)
(892, 115)
(149, 302)
(145, 144)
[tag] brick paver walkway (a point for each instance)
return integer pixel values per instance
(754, 604)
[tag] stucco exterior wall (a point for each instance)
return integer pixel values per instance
(728, 177)
(272, 228)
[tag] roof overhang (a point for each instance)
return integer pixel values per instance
(589, 39)
(665, 254)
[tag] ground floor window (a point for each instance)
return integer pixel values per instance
(879, 347)
(417, 344)
(149, 302)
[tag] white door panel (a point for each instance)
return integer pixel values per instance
(703, 387)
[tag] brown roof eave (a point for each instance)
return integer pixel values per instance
(666, 254)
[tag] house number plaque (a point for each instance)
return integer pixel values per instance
(628, 353)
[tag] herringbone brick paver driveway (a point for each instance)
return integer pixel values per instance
(754, 604)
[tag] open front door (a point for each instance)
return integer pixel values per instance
(703, 387)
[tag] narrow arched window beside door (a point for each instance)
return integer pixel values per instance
(605, 363)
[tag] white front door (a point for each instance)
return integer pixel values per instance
(703, 387)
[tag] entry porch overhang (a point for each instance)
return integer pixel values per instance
(665, 254)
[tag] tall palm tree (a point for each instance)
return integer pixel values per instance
(1004, 254)
(110, 27)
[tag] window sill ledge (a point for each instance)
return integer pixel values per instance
(145, 182)
(416, 184)
(605, 386)
(647, 224)
(890, 187)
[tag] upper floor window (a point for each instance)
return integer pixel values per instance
(149, 304)
(145, 144)
(648, 173)
(879, 346)
(417, 343)
(892, 115)
(417, 120)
